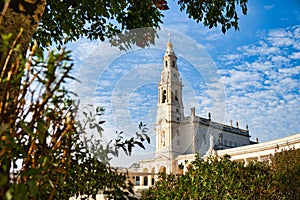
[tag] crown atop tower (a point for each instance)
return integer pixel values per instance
(169, 46)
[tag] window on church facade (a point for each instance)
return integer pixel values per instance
(173, 64)
(164, 96)
(166, 63)
(145, 180)
(137, 180)
(177, 133)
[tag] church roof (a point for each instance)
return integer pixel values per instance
(217, 125)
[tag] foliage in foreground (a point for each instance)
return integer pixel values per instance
(54, 22)
(286, 169)
(220, 178)
(44, 150)
(106, 18)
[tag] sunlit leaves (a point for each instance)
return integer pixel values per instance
(138, 140)
(95, 19)
(213, 13)
(161, 4)
(286, 168)
(107, 19)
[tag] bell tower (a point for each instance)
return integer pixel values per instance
(169, 106)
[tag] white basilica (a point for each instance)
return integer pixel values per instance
(177, 134)
(179, 137)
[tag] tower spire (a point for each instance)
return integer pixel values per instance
(169, 37)
(169, 45)
(169, 106)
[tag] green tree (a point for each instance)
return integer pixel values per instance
(286, 169)
(217, 178)
(64, 21)
(44, 149)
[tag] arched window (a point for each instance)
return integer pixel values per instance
(180, 169)
(166, 63)
(145, 180)
(164, 96)
(173, 64)
(137, 180)
(152, 181)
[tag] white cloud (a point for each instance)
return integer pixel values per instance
(280, 41)
(262, 49)
(279, 33)
(269, 7)
(290, 71)
(230, 59)
(280, 37)
(259, 65)
(295, 55)
(279, 59)
(263, 89)
(297, 33)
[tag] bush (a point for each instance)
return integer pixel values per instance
(217, 178)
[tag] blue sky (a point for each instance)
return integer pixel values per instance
(251, 76)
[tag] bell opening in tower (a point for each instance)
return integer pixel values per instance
(164, 96)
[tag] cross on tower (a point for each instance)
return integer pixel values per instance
(169, 39)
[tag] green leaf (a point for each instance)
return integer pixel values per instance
(140, 144)
(25, 128)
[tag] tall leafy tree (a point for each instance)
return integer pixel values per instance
(44, 149)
